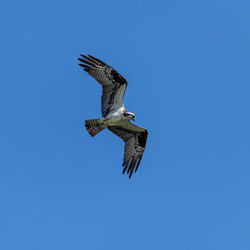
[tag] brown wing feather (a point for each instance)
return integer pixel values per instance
(135, 143)
(110, 80)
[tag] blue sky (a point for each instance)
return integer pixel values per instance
(187, 65)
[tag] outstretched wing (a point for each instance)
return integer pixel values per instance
(135, 141)
(113, 84)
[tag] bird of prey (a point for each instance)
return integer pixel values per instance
(114, 115)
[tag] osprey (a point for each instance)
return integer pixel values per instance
(114, 115)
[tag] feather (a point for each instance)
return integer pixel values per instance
(112, 82)
(133, 150)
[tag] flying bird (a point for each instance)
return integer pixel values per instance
(114, 115)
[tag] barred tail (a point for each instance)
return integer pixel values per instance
(94, 126)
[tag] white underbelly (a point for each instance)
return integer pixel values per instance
(116, 116)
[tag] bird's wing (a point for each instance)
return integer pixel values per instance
(135, 141)
(113, 84)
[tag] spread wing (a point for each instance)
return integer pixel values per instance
(113, 84)
(135, 141)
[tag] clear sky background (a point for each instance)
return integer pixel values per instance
(187, 64)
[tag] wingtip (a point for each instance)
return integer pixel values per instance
(138, 163)
(85, 57)
(88, 67)
(131, 172)
(97, 60)
(123, 171)
(88, 63)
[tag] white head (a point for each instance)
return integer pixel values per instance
(131, 116)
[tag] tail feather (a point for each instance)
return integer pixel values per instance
(94, 126)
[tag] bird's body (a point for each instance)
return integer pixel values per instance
(114, 115)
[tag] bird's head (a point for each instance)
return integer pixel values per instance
(131, 116)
